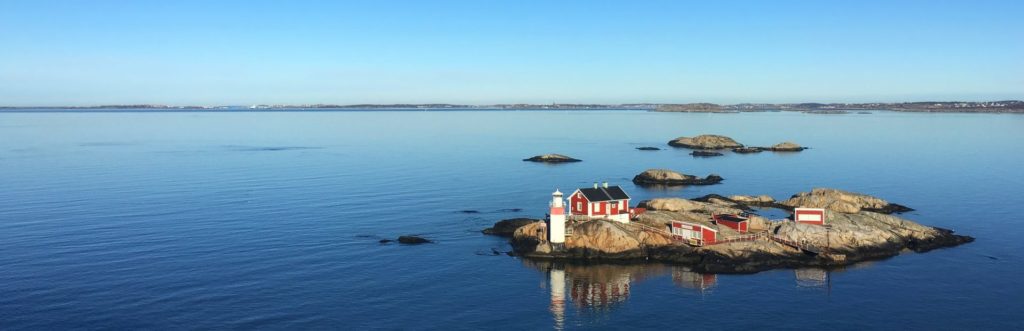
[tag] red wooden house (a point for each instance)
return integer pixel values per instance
(609, 202)
(735, 222)
(814, 216)
(695, 234)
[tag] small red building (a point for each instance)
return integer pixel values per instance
(609, 202)
(814, 216)
(695, 234)
(735, 222)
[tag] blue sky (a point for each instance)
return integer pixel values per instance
(482, 52)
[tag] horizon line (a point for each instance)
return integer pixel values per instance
(398, 104)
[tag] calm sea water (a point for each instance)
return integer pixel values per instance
(271, 220)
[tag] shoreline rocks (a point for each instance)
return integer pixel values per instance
(552, 158)
(706, 141)
(669, 177)
(505, 228)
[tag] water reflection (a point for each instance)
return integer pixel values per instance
(602, 287)
(694, 280)
(812, 278)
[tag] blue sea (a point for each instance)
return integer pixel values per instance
(272, 220)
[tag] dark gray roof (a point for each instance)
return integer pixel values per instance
(604, 193)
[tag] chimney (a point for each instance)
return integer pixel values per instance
(605, 184)
(595, 184)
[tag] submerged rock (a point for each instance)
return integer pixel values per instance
(669, 177)
(507, 227)
(748, 150)
(707, 141)
(787, 147)
(648, 148)
(552, 158)
(413, 240)
(843, 202)
(705, 154)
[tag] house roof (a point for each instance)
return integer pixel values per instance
(730, 218)
(610, 193)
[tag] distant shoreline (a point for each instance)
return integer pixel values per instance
(1006, 106)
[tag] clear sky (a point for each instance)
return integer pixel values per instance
(481, 52)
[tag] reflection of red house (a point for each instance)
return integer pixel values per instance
(735, 222)
(814, 216)
(689, 279)
(696, 234)
(609, 202)
(600, 294)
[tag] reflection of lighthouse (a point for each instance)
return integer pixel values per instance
(558, 297)
(556, 221)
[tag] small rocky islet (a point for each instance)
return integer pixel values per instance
(670, 177)
(706, 144)
(860, 228)
(705, 141)
(552, 158)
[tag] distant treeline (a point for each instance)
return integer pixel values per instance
(1006, 106)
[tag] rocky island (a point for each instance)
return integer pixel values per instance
(859, 228)
(551, 158)
(705, 141)
(669, 177)
(787, 147)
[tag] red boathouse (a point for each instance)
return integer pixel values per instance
(814, 216)
(695, 234)
(735, 222)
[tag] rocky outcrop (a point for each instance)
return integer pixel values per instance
(868, 234)
(506, 228)
(748, 150)
(669, 177)
(705, 154)
(842, 201)
(703, 209)
(552, 158)
(591, 240)
(648, 148)
(787, 147)
(707, 141)
(753, 200)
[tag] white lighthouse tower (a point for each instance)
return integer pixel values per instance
(556, 220)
